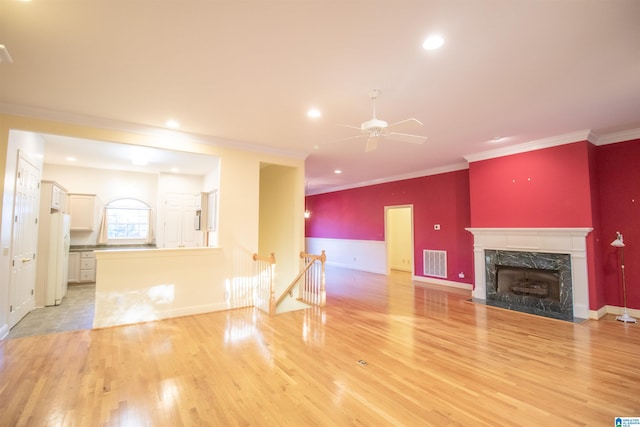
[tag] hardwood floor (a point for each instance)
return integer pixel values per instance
(382, 352)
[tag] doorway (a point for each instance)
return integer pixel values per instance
(399, 238)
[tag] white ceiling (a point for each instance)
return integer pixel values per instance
(113, 156)
(248, 70)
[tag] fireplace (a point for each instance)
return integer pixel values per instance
(525, 281)
(556, 257)
(531, 282)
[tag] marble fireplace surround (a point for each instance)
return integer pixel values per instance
(570, 241)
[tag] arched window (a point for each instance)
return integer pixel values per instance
(126, 221)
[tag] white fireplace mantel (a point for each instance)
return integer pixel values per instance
(570, 241)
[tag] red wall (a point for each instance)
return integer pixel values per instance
(573, 185)
(618, 169)
(543, 188)
(440, 199)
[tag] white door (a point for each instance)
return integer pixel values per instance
(24, 240)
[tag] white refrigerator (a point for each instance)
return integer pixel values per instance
(59, 242)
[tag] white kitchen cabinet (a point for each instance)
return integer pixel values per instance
(82, 267)
(53, 197)
(73, 274)
(82, 208)
(212, 211)
(181, 221)
(87, 266)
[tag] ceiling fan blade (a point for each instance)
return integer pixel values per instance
(372, 144)
(351, 127)
(405, 137)
(403, 125)
(342, 139)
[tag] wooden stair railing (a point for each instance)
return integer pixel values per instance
(310, 282)
(264, 293)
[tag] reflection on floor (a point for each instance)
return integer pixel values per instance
(74, 313)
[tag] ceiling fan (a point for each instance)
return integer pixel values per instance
(374, 129)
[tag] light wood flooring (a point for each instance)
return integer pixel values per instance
(385, 351)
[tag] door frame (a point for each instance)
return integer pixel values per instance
(387, 230)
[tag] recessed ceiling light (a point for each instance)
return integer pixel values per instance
(175, 170)
(433, 42)
(497, 139)
(314, 113)
(172, 124)
(70, 159)
(337, 171)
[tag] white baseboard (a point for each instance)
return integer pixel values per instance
(612, 309)
(442, 282)
(153, 315)
(4, 331)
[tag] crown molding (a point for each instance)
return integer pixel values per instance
(139, 129)
(418, 174)
(615, 137)
(553, 141)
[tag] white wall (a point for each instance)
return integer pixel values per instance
(145, 285)
(107, 185)
(364, 255)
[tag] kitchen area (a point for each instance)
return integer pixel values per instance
(72, 229)
(65, 275)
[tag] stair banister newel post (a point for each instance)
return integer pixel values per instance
(323, 291)
(272, 279)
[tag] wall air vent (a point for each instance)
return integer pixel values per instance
(435, 263)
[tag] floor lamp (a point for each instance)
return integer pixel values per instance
(619, 243)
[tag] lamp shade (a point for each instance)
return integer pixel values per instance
(618, 243)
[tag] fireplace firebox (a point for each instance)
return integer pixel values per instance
(531, 282)
(528, 281)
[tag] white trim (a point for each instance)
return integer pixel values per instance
(449, 283)
(160, 314)
(612, 309)
(387, 233)
(613, 138)
(4, 331)
(553, 141)
(553, 240)
(418, 174)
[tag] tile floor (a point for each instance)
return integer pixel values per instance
(74, 313)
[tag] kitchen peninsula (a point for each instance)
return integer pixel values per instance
(146, 284)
